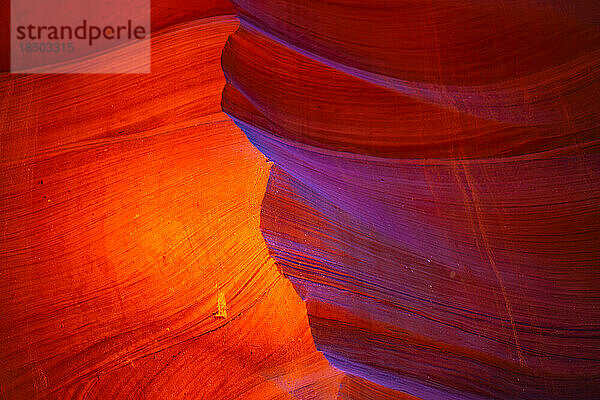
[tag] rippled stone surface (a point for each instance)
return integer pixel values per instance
(434, 195)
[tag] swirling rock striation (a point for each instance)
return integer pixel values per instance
(435, 191)
(131, 261)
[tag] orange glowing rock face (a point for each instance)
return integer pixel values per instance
(131, 261)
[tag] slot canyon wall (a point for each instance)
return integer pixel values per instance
(131, 260)
(434, 195)
(307, 199)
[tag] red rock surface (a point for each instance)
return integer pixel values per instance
(434, 195)
(419, 217)
(129, 206)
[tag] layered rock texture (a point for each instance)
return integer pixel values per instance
(131, 259)
(344, 199)
(434, 195)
